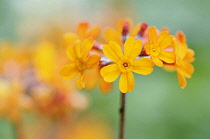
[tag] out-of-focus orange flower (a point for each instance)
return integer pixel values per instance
(156, 47)
(83, 32)
(125, 64)
(111, 34)
(56, 104)
(94, 78)
(12, 100)
(44, 60)
(184, 58)
(80, 61)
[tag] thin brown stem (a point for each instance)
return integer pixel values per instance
(17, 127)
(122, 116)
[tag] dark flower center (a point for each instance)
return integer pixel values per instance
(125, 65)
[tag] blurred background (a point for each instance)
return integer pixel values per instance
(157, 108)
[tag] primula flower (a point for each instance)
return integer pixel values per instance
(125, 64)
(156, 47)
(83, 32)
(80, 61)
(184, 58)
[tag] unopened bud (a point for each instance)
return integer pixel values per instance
(125, 31)
(142, 30)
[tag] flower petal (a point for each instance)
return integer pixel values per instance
(69, 38)
(189, 56)
(189, 67)
(169, 68)
(126, 83)
(147, 47)
(112, 35)
(71, 53)
(132, 48)
(77, 49)
(152, 35)
(182, 80)
(186, 69)
(69, 71)
(82, 29)
(91, 79)
(162, 36)
(105, 87)
(80, 80)
(92, 61)
(167, 56)
(181, 37)
(143, 66)
(113, 51)
(95, 32)
(157, 61)
(110, 72)
(166, 42)
(87, 46)
(180, 48)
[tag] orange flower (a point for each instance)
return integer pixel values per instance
(156, 47)
(80, 61)
(94, 78)
(83, 32)
(111, 34)
(125, 64)
(184, 58)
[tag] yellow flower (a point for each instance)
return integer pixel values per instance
(184, 58)
(80, 61)
(156, 47)
(125, 64)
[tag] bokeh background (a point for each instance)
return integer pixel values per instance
(157, 108)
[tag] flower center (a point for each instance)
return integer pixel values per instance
(125, 64)
(80, 65)
(153, 50)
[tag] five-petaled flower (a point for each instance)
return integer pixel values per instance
(156, 47)
(125, 63)
(80, 61)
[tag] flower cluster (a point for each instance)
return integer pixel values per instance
(122, 51)
(30, 79)
(30, 86)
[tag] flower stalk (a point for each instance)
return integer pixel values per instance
(122, 116)
(17, 128)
